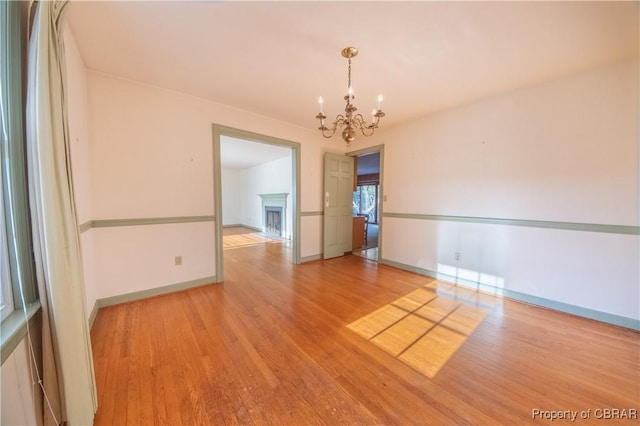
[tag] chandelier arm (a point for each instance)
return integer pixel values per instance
(340, 121)
(377, 116)
(330, 134)
(359, 121)
(367, 131)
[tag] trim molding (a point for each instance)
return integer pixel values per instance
(219, 131)
(381, 193)
(14, 328)
(567, 226)
(523, 297)
(319, 213)
(84, 227)
(311, 258)
(242, 226)
(158, 291)
(93, 314)
(109, 223)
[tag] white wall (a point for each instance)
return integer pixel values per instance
(135, 258)
(240, 189)
(151, 156)
(273, 177)
(78, 116)
(21, 400)
(562, 151)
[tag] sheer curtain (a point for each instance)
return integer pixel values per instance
(66, 340)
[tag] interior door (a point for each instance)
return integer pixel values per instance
(338, 204)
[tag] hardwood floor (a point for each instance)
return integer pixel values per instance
(271, 346)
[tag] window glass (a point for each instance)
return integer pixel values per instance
(6, 298)
(365, 202)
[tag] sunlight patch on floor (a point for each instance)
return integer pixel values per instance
(247, 239)
(425, 328)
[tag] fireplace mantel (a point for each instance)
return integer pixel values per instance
(280, 198)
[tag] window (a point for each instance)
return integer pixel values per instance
(6, 296)
(16, 256)
(365, 201)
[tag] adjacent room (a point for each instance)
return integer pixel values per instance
(320, 212)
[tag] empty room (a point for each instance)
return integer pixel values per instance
(320, 212)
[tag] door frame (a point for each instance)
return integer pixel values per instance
(218, 131)
(381, 195)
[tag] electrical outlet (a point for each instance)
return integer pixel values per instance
(458, 256)
(178, 260)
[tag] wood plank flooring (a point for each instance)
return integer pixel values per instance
(271, 346)
(427, 326)
(239, 236)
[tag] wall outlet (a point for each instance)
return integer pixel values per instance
(458, 256)
(178, 260)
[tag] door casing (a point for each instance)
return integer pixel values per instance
(381, 194)
(218, 131)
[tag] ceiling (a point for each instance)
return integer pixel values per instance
(276, 58)
(368, 164)
(241, 154)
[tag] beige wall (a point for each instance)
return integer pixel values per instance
(151, 156)
(562, 151)
(21, 399)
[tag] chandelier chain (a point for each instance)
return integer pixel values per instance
(349, 79)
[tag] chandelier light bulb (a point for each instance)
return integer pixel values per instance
(379, 100)
(321, 102)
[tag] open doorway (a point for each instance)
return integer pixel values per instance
(256, 192)
(367, 204)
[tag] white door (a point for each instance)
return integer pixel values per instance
(338, 204)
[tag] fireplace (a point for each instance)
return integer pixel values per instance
(274, 215)
(273, 221)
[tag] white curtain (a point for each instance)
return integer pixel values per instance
(54, 224)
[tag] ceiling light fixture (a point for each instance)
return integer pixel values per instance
(350, 120)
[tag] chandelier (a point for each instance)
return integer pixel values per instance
(350, 121)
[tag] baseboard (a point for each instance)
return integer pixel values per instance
(235, 225)
(310, 258)
(93, 314)
(158, 291)
(523, 297)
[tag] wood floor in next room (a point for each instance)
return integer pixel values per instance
(291, 344)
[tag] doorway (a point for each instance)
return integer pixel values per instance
(247, 209)
(367, 199)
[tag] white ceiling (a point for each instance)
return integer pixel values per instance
(241, 154)
(276, 58)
